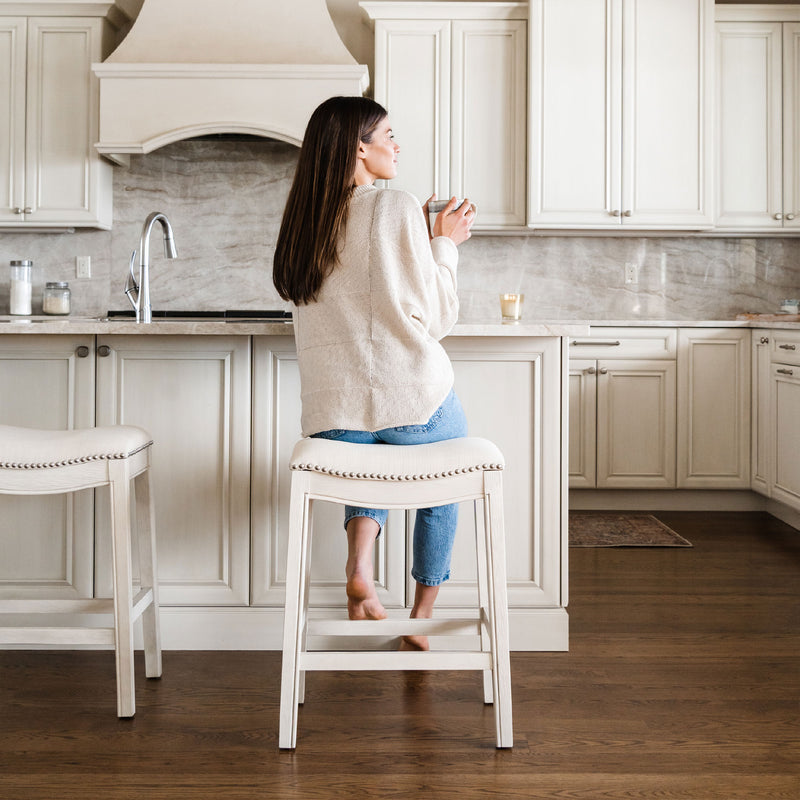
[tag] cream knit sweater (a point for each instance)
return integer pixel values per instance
(368, 348)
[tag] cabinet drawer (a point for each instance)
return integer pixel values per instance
(785, 347)
(625, 343)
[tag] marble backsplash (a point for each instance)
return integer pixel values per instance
(225, 196)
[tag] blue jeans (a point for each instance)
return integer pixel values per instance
(434, 528)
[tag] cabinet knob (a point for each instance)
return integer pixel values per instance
(787, 347)
(764, 340)
(615, 212)
(629, 213)
(785, 371)
(82, 351)
(603, 371)
(790, 216)
(778, 216)
(591, 370)
(27, 210)
(103, 351)
(18, 210)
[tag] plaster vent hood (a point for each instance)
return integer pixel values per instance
(194, 67)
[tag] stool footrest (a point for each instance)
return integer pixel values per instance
(87, 605)
(393, 660)
(63, 635)
(395, 627)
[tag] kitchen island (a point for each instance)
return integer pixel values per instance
(221, 400)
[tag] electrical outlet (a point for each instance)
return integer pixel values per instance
(83, 267)
(631, 272)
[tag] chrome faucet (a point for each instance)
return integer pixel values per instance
(138, 292)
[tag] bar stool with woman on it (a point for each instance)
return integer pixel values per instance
(374, 291)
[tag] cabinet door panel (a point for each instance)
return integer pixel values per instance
(786, 434)
(192, 394)
(749, 104)
(12, 117)
(636, 424)
(582, 423)
(46, 541)
(507, 389)
(488, 121)
(714, 409)
(276, 421)
(791, 125)
(575, 96)
(761, 446)
(666, 135)
(412, 81)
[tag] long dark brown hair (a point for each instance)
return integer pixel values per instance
(316, 210)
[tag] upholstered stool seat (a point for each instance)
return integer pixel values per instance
(55, 462)
(395, 476)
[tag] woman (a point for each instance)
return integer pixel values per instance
(374, 293)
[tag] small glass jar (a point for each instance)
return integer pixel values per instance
(21, 287)
(56, 298)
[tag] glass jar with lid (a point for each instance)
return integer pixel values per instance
(56, 298)
(21, 286)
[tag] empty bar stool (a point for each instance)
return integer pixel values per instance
(56, 462)
(396, 476)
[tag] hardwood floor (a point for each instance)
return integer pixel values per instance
(682, 681)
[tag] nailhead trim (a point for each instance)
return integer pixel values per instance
(70, 461)
(375, 476)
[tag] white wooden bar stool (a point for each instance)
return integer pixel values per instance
(395, 476)
(56, 462)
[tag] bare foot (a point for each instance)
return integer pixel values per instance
(415, 643)
(362, 599)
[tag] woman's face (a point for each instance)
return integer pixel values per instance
(378, 158)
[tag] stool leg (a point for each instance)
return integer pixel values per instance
(294, 619)
(145, 518)
(483, 603)
(498, 602)
(119, 490)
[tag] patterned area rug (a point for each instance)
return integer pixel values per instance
(620, 529)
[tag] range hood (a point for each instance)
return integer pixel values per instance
(194, 67)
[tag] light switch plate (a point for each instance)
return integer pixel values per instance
(83, 266)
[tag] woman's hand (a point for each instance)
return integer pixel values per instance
(453, 222)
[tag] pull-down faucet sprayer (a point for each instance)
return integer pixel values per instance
(139, 291)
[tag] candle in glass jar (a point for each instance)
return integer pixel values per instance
(511, 305)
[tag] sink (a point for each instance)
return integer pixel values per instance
(258, 315)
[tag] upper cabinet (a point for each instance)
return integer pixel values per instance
(620, 114)
(453, 79)
(50, 174)
(758, 134)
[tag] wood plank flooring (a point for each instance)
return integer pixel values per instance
(682, 682)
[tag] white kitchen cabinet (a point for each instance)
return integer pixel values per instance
(784, 417)
(525, 376)
(453, 79)
(760, 426)
(758, 134)
(192, 394)
(625, 379)
(46, 542)
(713, 408)
(50, 174)
(620, 131)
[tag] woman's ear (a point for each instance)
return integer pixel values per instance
(362, 150)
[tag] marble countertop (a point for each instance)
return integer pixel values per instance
(477, 327)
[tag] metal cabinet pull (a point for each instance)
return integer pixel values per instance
(603, 371)
(790, 216)
(778, 216)
(629, 213)
(764, 340)
(787, 347)
(82, 351)
(27, 210)
(597, 343)
(785, 371)
(591, 370)
(18, 210)
(103, 350)
(615, 212)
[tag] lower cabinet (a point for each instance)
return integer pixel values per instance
(511, 392)
(622, 399)
(46, 542)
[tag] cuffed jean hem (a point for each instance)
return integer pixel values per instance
(378, 514)
(429, 581)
